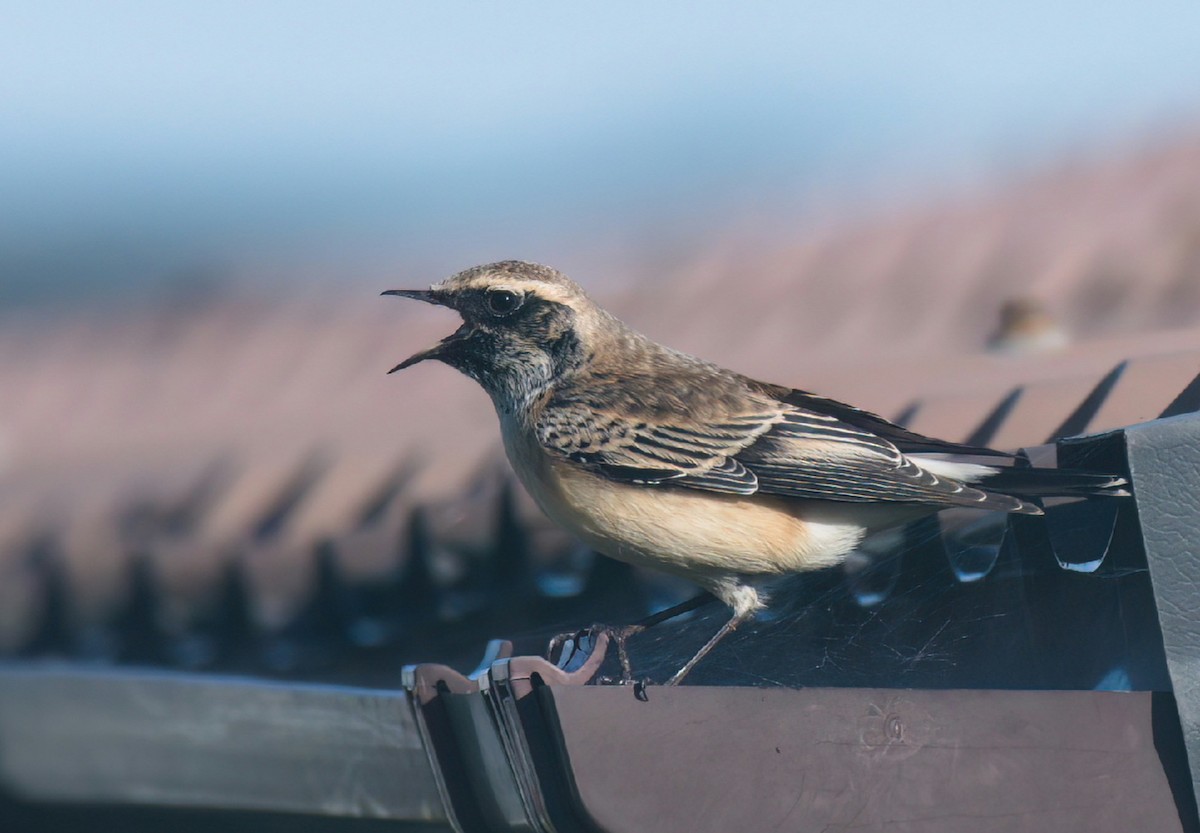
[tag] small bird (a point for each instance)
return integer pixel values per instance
(1027, 326)
(661, 459)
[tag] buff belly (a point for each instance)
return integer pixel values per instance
(700, 535)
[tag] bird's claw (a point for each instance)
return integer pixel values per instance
(556, 653)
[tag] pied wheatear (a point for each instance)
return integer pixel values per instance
(661, 459)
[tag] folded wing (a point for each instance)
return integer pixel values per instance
(761, 445)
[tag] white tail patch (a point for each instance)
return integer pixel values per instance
(952, 469)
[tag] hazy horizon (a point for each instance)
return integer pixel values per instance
(153, 150)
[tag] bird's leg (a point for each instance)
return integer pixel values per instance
(620, 635)
(725, 630)
(691, 604)
(743, 599)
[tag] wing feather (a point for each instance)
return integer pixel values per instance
(772, 446)
(907, 441)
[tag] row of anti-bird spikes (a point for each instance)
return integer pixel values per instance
(456, 574)
(148, 582)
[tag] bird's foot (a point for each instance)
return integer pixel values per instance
(564, 646)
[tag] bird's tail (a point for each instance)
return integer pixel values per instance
(1035, 482)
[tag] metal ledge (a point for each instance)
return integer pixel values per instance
(71, 735)
(719, 759)
(558, 755)
(1164, 461)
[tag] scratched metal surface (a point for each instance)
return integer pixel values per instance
(863, 759)
(70, 735)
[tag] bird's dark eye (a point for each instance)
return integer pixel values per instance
(503, 301)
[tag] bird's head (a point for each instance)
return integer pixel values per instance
(524, 326)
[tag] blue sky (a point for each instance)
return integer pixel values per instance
(142, 141)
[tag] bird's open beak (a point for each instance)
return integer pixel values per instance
(437, 351)
(426, 295)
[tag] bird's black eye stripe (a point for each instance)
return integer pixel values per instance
(503, 301)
